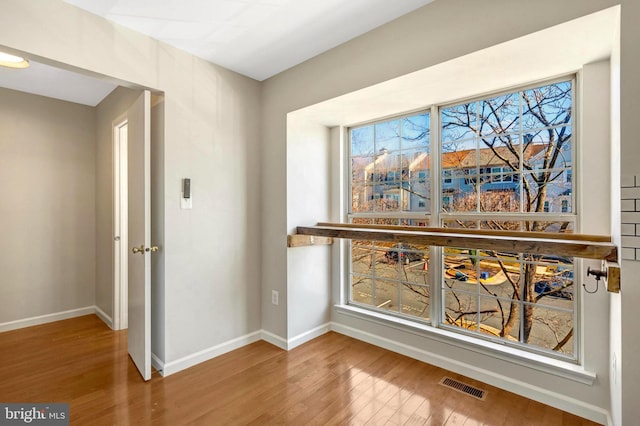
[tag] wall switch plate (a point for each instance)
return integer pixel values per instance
(274, 297)
(186, 203)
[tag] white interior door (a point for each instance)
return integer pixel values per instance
(139, 212)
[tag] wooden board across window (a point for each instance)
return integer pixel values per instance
(569, 245)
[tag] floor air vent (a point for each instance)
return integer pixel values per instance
(464, 388)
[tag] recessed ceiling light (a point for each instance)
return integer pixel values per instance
(12, 61)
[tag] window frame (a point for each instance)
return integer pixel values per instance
(436, 216)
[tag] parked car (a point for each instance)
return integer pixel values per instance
(404, 253)
(543, 287)
(546, 287)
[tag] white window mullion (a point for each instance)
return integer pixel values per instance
(477, 154)
(435, 253)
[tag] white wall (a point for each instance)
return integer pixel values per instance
(47, 226)
(212, 252)
(308, 198)
(593, 178)
(629, 298)
(615, 303)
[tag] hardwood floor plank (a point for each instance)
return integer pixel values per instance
(331, 380)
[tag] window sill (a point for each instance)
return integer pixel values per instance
(564, 369)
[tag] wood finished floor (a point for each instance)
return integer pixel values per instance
(332, 380)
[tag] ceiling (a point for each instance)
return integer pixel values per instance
(257, 38)
(52, 82)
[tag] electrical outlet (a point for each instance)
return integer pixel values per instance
(274, 297)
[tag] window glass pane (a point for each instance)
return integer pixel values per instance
(459, 122)
(547, 185)
(459, 223)
(461, 310)
(500, 277)
(362, 289)
(499, 115)
(387, 136)
(361, 220)
(541, 226)
(415, 300)
(549, 328)
(362, 257)
(416, 185)
(387, 295)
(499, 197)
(386, 264)
(386, 168)
(362, 141)
(500, 318)
(548, 149)
(501, 225)
(392, 277)
(385, 221)
(362, 170)
(460, 195)
(502, 151)
(552, 282)
(459, 155)
(547, 106)
(415, 132)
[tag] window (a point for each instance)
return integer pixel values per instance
(503, 161)
(386, 276)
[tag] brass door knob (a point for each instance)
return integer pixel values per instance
(152, 249)
(138, 250)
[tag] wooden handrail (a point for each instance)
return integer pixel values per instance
(569, 245)
(489, 232)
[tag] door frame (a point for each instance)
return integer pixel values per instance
(120, 225)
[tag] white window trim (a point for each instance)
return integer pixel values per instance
(542, 360)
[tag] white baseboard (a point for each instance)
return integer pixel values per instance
(308, 335)
(157, 363)
(104, 317)
(274, 339)
(535, 393)
(609, 419)
(298, 340)
(209, 353)
(44, 319)
(172, 367)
